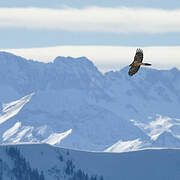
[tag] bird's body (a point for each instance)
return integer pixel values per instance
(137, 63)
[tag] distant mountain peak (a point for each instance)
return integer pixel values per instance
(80, 66)
(167, 139)
(9, 55)
(71, 59)
(174, 69)
(6, 53)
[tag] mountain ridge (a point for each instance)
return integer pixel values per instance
(71, 93)
(53, 162)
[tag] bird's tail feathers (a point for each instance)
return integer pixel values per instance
(146, 64)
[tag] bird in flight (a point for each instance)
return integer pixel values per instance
(135, 65)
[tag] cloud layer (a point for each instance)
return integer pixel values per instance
(106, 58)
(98, 19)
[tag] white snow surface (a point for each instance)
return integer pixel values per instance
(11, 109)
(19, 133)
(125, 146)
(10, 132)
(158, 126)
(56, 138)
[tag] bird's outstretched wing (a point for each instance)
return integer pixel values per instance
(139, 55)
(133, 70)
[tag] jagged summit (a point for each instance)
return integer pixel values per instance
(69, 58)
(79, 60)
(6, 56)
(78, 63)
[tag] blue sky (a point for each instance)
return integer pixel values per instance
(166, 4)
(120, 23)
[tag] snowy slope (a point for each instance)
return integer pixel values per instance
(166, 139)
(163, 132)
(148, 93)
(100, 109)
(56, 163)
(126, 146)
(15, 131)
(20, 128)
(11, 109)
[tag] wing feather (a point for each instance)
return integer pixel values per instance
(139, 55)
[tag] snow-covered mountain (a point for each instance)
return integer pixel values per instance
(44, 162)
(166, 139)
(146, 94)
(69, 102)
